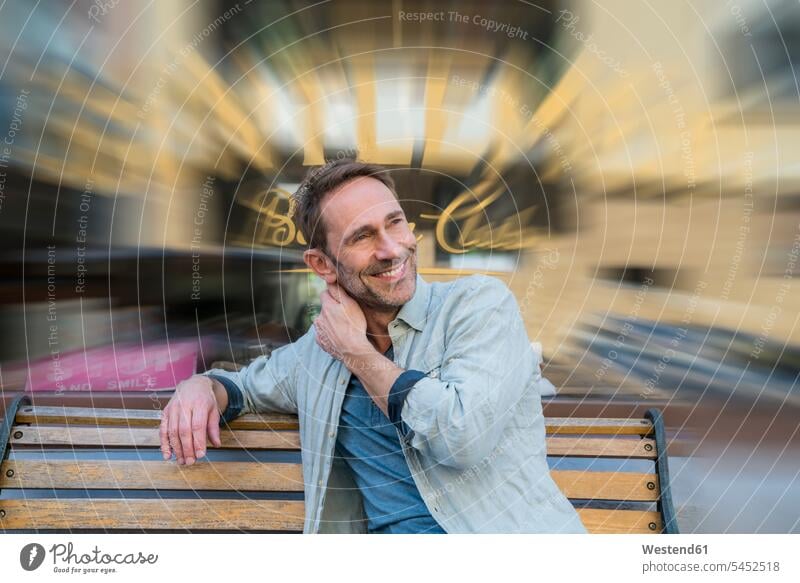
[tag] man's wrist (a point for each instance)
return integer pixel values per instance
(220, 394)
(356, 356)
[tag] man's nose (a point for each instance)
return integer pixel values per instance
(388, 247)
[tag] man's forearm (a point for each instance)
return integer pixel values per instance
(376, 372)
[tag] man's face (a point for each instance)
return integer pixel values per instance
(371, 243)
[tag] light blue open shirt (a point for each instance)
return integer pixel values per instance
(471, 428)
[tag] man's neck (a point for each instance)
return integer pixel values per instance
(378, 327)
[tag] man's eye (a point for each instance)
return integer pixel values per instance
(397, 221)
(362, 236)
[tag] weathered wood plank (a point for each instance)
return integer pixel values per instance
(620, 521)
(102, 436)
(152, 514)
(233, 515)
(643, 448)
(148, 475)
(152, 418)
(607, 485)
(568, 425)
(138, 418)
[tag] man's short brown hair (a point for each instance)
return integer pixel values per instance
(321, 180)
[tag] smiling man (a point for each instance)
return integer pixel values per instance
(419, 403)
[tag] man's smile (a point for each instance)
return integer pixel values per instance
(394, 274)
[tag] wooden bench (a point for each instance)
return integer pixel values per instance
(83, 469)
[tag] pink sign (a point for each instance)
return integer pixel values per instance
(126, 368)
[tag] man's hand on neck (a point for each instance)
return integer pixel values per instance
(341, 330)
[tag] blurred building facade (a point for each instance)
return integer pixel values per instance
(629, 169)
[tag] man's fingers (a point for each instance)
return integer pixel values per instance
(213, 427)
(322, 332)
(186, 422)
(185, 436)
(335, 292)
(163, 432)
(340, 295)
(199, 425)
(174, 439)
(325, 299)
(321, 323)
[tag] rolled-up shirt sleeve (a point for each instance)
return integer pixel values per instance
(458, 418)
(235, 399)
(265, 385)
(397, 397)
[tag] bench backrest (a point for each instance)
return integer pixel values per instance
(69, 468)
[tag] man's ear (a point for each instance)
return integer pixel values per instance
(320, 264)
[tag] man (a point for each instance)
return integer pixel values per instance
(419, 403)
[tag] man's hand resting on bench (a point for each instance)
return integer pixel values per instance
(193, 411)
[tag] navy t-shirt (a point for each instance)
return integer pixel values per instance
(367, 441)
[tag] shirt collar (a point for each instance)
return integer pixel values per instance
(415, 311)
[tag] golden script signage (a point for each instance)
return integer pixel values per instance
(271, 224)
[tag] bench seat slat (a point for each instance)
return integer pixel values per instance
(138, 418)
(146, 437)
(257, 440)
(231, 514)
(152, 514)
(152, 418)
(257, 477)
(152, 475)
(591, 485)
(580, 426)
(620, 521)
(644, 448)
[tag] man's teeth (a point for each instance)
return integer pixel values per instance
(393, 272)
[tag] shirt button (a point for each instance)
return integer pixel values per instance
(341, 381)
(331, 434)
(319, 483)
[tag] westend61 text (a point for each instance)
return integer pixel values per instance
(675, 550)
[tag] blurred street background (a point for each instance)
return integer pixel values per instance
(630, 169)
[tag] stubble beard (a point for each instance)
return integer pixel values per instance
(374, 298)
